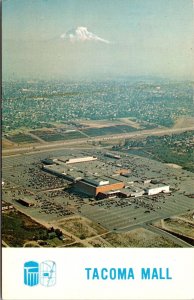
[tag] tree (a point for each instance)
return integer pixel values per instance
(58, 232)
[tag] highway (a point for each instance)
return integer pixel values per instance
(52, 145)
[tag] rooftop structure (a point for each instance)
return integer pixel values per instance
(157, 189)
(77, 159)
(64, 172)
(96, 181)
(112, 155)
(94, 186)
(48, 161)
(28, 202)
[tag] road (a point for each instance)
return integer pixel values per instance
(167, 234)
(158, 231)
(136, 134)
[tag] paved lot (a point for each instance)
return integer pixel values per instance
(113, 217)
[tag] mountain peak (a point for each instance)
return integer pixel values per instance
(81, 34)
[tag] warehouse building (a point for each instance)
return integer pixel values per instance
(157, 189)
(112, 155)
(47, 161)
(28, 202)
(77, 159)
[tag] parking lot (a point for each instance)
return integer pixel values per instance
(116, 216)
(23, 176)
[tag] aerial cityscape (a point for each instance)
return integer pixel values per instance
(97, 124)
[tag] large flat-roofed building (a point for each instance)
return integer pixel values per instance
(92, 186)
(62, 171)
(157, 189)
(113, 155)
(28, 202)
(75, 160)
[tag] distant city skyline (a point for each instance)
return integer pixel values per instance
(84, 39)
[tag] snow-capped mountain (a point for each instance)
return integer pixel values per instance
(81, 34)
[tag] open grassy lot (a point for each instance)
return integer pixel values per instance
(180, 226)
(102, 131)
(188, 216)
(81, 227)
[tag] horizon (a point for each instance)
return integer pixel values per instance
(95, 40)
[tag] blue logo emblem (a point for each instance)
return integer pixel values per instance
(43, 273)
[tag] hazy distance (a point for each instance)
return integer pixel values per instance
(82, 39)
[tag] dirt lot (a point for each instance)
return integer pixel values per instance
(175, 166)
(135, 238)
(138, 238)
(104, 123)
(99, 242)
(7, 144)
(184, 122)
(130, 122)
(99, 123)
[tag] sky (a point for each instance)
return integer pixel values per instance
(96, 39)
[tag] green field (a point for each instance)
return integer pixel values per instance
(118, 129)
(74, 135)
(51, 136)
(125, 128)
(21, 138)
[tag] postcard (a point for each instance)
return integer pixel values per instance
(97, 149)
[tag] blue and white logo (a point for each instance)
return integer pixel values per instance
(43, 273)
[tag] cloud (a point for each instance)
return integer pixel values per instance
(81, 34)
